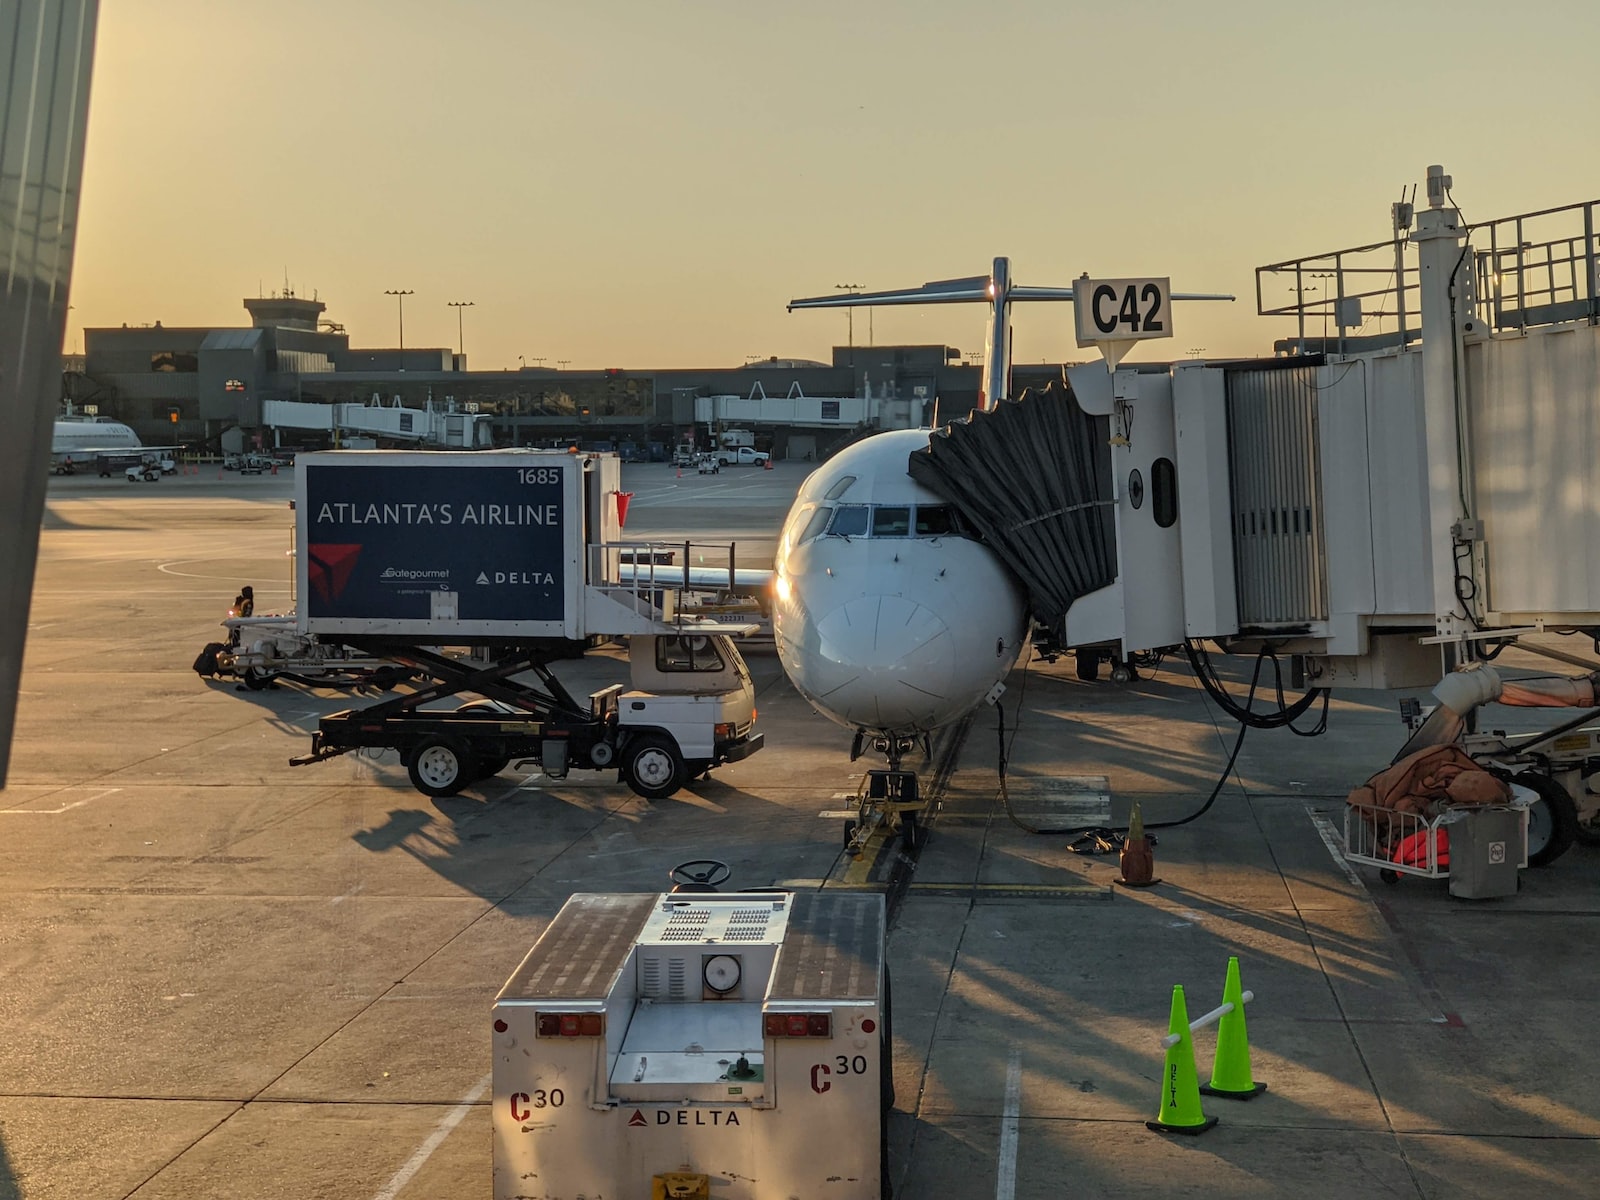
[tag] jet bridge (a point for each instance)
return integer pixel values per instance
(1421, 475)
(1373, 499)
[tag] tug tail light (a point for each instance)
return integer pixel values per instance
(586, 1024)
(818, 1025)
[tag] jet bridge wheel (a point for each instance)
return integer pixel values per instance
(652, 766)
(440, 766)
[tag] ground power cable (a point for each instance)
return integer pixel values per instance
(1108, 839)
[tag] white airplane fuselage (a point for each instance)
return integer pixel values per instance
(79, 436)
(888, 618)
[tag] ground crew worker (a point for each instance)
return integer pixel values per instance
(244, 605)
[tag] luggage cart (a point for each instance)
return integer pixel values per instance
(1407, 843)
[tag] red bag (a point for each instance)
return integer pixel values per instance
(1413, 850)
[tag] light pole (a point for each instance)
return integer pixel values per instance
(562, 363)
(461, 341)
(851, 313)
(400, 295)
(1300, 290)
(1326, 301)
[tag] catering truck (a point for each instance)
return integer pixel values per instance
(476, 572)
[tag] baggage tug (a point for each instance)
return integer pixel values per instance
(696, 1044)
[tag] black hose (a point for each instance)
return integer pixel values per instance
(1104, 839)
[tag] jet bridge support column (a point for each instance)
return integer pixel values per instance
(1439, 236)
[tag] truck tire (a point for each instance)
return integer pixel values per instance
(489, 768)
(1552, 822)
(652, 766)
(440, 766)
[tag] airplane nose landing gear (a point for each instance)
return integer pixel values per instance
(888, 800)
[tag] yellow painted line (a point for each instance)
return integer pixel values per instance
(860, 869)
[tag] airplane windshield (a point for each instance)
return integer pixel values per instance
(891, 522)
(849, 520)
(888, 521)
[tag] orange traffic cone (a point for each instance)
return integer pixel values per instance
(1138, 858)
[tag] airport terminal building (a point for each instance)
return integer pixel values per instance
(291, 379)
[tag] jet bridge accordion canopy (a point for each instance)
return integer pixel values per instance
(1034, 477)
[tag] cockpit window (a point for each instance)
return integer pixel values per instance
(935, 520)
(849, 520)
(798, 520)
(890, 521)
(839, 488)
(696, 653)
(815, 526)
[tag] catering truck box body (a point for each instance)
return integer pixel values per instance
(448, 547)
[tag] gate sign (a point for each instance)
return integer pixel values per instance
(1114, 313)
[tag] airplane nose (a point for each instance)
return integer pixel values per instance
(882, 662)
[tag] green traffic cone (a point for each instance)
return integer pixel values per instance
(1180, 1091)
(1230, 1075)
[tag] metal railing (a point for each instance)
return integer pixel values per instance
(640, 573)
(1535, 268)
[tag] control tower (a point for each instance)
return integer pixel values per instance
(286, 311)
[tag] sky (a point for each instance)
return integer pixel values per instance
(646, 183)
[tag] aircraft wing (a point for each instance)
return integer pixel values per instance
(744, 581)
(940, 291)
(957, 291)
(1052, 293)
(92, 451)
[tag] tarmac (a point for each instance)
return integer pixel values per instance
(227, 977)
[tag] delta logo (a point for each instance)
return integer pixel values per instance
(684, 1116)
(328, 569)
(516, 578)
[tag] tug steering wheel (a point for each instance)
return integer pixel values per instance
(699, 875)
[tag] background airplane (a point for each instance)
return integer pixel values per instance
(78, 441)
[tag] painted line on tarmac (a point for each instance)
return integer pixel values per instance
(1331, 839)
(50, 812)
(1005, 1183)
(1010, 891)
(441, 1131)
